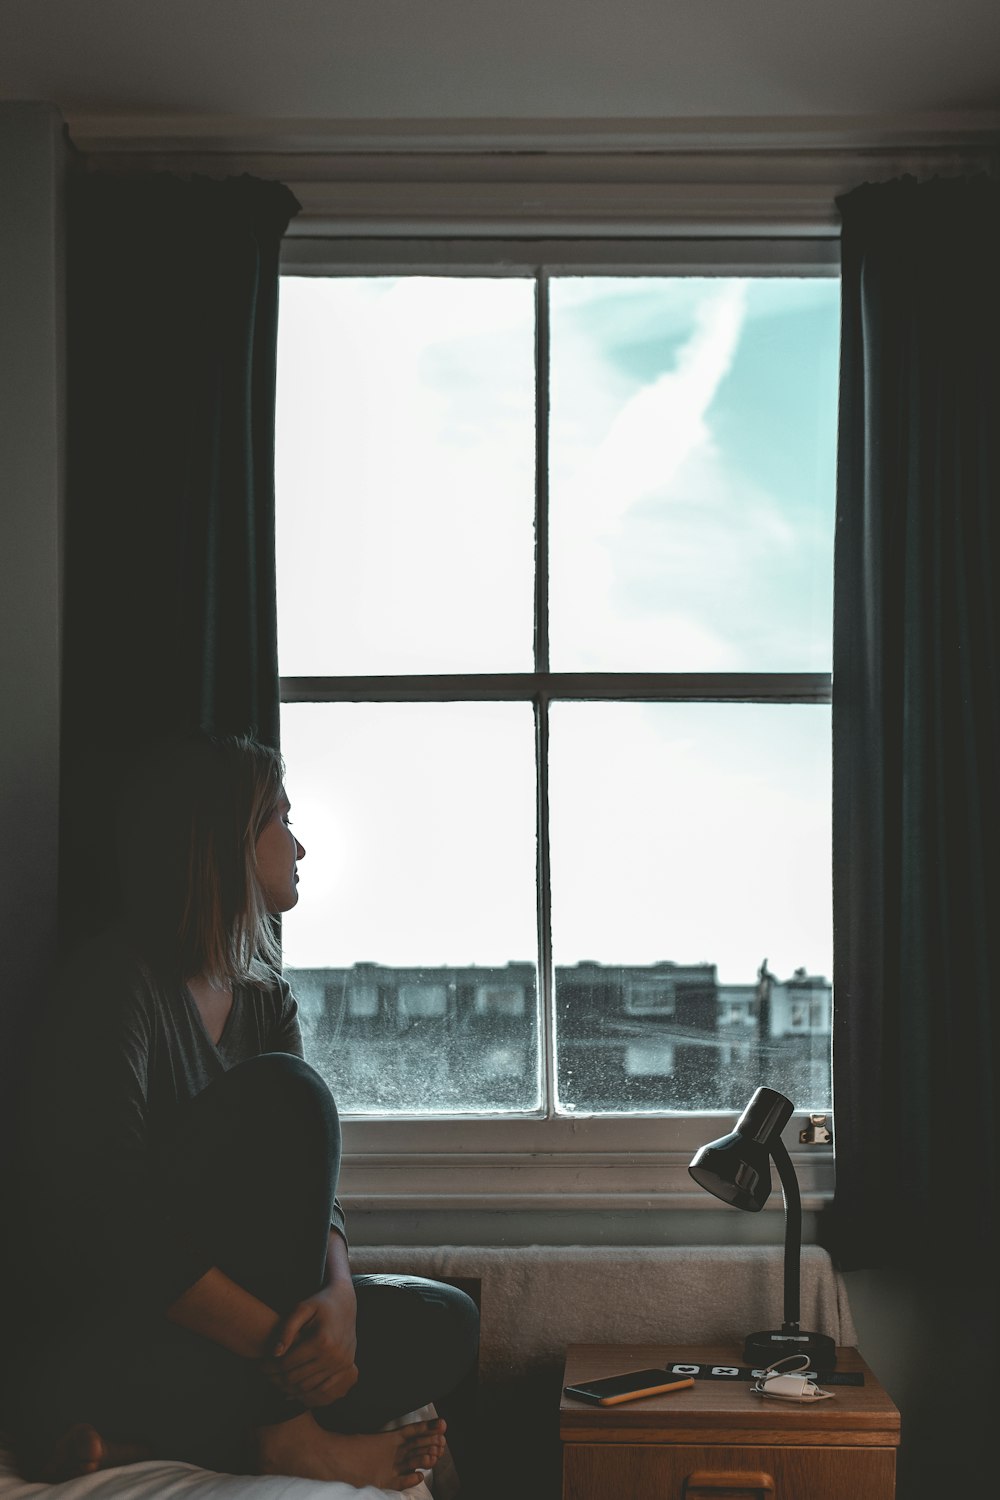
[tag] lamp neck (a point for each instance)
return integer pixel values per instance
(793, 1233)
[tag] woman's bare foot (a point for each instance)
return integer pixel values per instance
(388, 1460)
(82, 1450)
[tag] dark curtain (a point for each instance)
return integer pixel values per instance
(169, 564)
(917, 732)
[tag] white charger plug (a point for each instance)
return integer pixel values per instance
(798, 1387)
(793, 1387)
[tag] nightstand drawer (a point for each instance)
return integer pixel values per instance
(597, 1471)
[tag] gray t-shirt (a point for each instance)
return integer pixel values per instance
(121, 1049)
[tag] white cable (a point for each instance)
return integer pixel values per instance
(787, 1386)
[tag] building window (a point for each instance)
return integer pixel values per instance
(555, 580)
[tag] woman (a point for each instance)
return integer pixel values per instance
(192, 1293)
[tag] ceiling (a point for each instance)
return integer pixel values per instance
(514, 60)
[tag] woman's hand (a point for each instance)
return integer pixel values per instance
(313, 1350)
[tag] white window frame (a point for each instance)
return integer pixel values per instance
(552, 1162)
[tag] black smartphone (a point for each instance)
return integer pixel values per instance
(632, 1387)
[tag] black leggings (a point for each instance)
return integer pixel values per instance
(249, 1173)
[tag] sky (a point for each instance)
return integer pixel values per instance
(691, 480)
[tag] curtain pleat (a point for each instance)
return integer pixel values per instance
(169, 619)
(917, 728)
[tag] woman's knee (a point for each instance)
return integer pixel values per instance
(279, 1073)
(274, 1105)
(415, 1312)
(464, 1318)
(456, 1319)
(279, 1083)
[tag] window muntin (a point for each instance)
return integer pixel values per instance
(545, 692)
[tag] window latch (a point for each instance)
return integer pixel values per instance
(816, 1132)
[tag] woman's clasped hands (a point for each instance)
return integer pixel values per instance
(312, 1351)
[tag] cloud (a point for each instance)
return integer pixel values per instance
(665, 422)
(660, 425)
(659, 435)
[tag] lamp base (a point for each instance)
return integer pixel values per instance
(763, 1349)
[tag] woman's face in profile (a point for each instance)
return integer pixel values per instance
(278, 853)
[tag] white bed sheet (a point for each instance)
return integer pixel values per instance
(162, 1479)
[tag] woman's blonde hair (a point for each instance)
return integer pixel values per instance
(190, 818)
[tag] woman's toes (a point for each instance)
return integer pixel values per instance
(79, 1451)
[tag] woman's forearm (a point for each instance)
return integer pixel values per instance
(338, 1267)
(220, 1309)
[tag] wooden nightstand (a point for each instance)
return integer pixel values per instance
(717, 1441)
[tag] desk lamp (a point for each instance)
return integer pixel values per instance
(737, 1169)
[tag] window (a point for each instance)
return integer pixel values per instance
(555, 579)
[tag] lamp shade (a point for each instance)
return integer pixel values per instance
(737, 1167)
(732, 1172)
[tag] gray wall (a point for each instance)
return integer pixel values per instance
(33, 157)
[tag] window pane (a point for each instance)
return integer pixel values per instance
(405, 475)
(411, 951)
(690, 903)
(692, 465)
